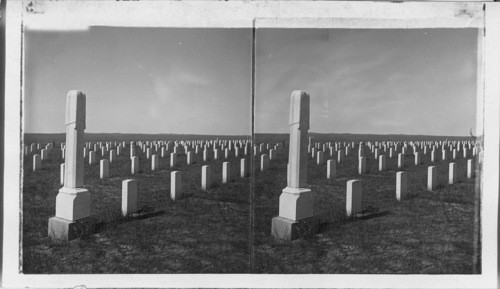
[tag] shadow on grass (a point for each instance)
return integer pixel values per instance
(111, 220)
(328, 221)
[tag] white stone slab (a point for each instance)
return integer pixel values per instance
(362, 165)
(401, 185)
(226, 172)
(134, 165)
(104, 169)
(471, 170)
(37, 162)
(452, 173)
(155, 163)
(353, 198)
(431, 178)
(381, 163)
(401, 160)
(244, 168)
(320, 158)
(418, 159)
(331, 169)
(173, 160)
(175, 184)
(44, 155)
(206, 177)
(62, 174)
(129, 197)
(92, 158)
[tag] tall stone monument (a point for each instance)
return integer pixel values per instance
(296, 201)
(73, 200)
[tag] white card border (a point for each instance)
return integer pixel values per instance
(80, 14)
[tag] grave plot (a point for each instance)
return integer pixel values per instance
(193, 233)
(365, 220)
(129, 222)
(160, 206)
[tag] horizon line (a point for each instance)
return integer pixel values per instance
(260, 133)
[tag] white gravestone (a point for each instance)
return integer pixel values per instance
(452, 173)
(37, 162)
(401, 185)
(104, 169)
(62, 174)
(470, 169)
(353, 198)
(173, 160)
(134, 165)
(431, 178)
(45, 154)
(175, 185)
(92, 158)
(244, 168)
(129, 197)
(331, 170)
(401, 160)
(418, 160)
(226, 172)
(206, 177)
(362, 165)
(112, 156)
(155, 164)
(381, 163)
(340, 156)
(320, 158)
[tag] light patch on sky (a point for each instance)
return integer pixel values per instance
(369, 81)
(142, 80)
(198, 81)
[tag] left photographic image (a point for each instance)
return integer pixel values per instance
(136, 150)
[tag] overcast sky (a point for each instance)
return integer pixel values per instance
(198, 81)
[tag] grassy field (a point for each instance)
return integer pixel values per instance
(202, 232)
(210, 231)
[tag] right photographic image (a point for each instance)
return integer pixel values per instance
(367, 151)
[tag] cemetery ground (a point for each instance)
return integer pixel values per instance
(208, 231)
(202, 232)
(431, 232)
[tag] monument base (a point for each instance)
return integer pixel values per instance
(286, 229)
(73, 203)
(296, 203)
(62, 229)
